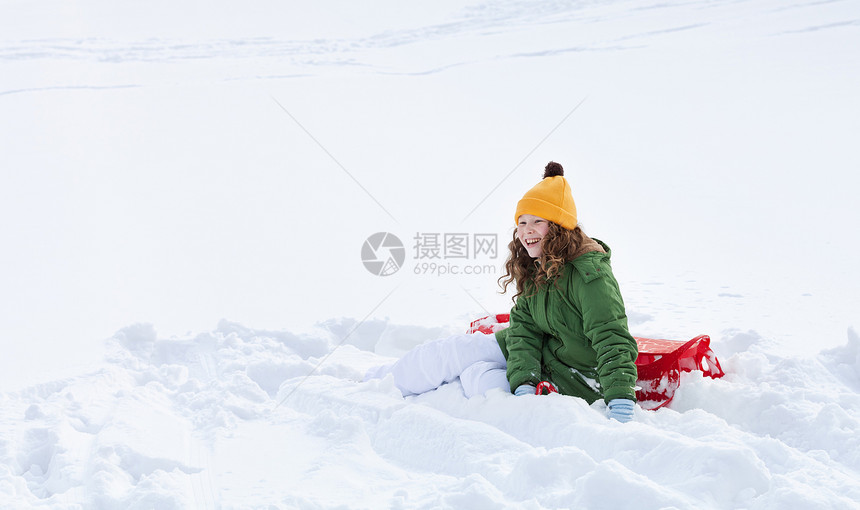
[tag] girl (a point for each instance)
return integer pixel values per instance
(568, 325)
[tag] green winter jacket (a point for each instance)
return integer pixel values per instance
(573, 332)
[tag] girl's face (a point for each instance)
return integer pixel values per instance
(530, 231)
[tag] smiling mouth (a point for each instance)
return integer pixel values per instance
(532, 242)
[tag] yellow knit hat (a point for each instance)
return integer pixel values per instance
(550, 199)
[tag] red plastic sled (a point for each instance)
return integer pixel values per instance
(659, 364)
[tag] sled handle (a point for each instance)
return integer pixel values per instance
(545, 385)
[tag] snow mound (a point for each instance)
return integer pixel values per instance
(244, 418)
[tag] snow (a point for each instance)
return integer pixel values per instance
(172, 169)
(243, 418)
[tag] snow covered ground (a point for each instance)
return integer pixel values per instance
(169, 169)
(230, 419)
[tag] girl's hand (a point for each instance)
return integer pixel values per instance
(525, 389)
(620, 409)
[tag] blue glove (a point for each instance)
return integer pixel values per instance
(620, 409)
(524, 389)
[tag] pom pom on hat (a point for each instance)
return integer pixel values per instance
(552, 169)
(550, 199)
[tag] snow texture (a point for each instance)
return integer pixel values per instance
(241, 418)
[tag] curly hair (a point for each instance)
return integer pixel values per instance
(560, 245)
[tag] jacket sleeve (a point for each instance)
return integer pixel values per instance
(524, 342)
(605, 324)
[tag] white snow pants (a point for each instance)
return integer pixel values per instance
(475, 358)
